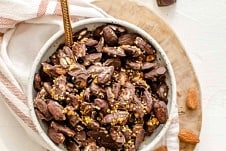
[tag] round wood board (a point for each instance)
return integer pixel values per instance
(143, 17)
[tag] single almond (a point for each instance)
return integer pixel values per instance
(162, 148)
(188, 136)
(192, 98)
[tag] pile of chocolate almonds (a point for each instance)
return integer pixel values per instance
(107, 92)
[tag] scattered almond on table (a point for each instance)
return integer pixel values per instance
(162, 148)
(188, 136)
(192, 98)
(165, 2)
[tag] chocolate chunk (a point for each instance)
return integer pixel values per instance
(79, 77)
(157, 71)
(101, 103)
(80, 136)
(127, 132)
(148, 101)
(79, 49)
(127, 94)
(140, 137)
(148, 65)
(74, 119)
(138, 107)
(162, 91)
(86, 95)
(75, 100)
(58, 90)
(117, 29)
(150, 58)
(44, 114)
(90, 123)
(144, 46)
(54, 59)
(68, 52)
(98, 31)
(110, 94)
(53, 71)
(116, 62)
(72, 146)
(55, 136)
(161, 112)
(90, 42)
(83, 33)
(114, 51)
(66, 57)
(79, 128)
(97, 90)
(101, 149)
(152, 124)
(47, 86)
(100, 45)
(105, 75)
(119, 117)
(92, 58)
(86, 108)
(41, 105)
(41, 116)
(134, 65)
(140, 84)
(62, 129)
(123, 78)
(109, 36)
(116, 89)
(127, 39)
(37, 82)
(117, 135)
(91, 146)
(95, 69)
(139, 65)
(132, 50)
(96, 134)
(56, 110)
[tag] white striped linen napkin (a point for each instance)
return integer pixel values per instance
(25, 26)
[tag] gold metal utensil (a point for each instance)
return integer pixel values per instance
(67, 23)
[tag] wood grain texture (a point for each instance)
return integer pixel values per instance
(185, 76)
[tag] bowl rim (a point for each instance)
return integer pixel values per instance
(84, 22)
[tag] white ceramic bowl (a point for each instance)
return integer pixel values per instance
(51, 46)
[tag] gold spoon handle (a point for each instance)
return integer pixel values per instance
(67, 23)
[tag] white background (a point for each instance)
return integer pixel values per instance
(201, 27)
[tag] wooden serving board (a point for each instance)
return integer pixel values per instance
(141, 16)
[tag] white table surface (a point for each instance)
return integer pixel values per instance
(201, 27)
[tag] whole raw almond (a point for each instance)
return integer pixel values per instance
(162, 148)
(192, 98)
(188, 136)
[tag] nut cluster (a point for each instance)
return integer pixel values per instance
(107, 92)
